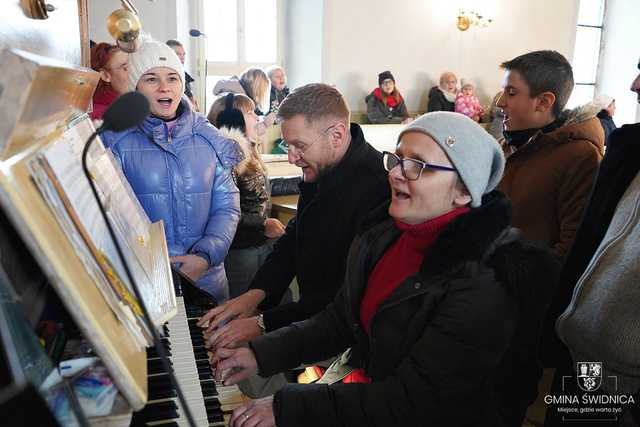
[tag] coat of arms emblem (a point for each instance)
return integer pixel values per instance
(589, 375)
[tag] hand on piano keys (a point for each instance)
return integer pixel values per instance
(234, 365)
(254, 413)
(234, 334)
(237, 308)
(210, 402)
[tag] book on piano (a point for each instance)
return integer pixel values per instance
(49, 205)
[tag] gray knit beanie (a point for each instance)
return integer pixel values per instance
(472, 151)
(152, 54)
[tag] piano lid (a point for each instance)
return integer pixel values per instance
(38, 95)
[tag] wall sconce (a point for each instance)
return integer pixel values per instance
(467, 18)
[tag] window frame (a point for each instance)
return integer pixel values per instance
(595, 83)
(218, 68)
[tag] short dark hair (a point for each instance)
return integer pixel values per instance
(314, 101)
(545, 71)
(174, 43)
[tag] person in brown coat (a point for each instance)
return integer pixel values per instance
(552, 155)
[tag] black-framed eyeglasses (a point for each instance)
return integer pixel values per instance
(411, 168)
(304, 148)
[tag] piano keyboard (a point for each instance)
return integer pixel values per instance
(210, 402)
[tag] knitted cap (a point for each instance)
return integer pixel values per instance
(385, 75)
(152, 54)
(472, 151)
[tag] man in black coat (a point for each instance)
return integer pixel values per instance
(343, 180)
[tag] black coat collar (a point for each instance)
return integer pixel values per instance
(470, 237)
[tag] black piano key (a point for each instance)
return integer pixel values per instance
(205, 376)
(159, 381)
(160, 415)
(203, 364)
(167, 407)
(208, 387)
(154, 355)
(212, 403)
(201, 354)
(155, 366)
(216, 417)
(162, 393)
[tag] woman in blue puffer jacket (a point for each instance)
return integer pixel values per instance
(180, 169)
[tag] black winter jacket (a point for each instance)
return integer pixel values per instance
(438, 102)
(444, 348)
(379, 113)
(316, 242)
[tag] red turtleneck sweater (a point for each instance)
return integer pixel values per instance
(400, 261)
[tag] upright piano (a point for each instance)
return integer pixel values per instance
(44, 102)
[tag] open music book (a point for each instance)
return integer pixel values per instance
(57, 171)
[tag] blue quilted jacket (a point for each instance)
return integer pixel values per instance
(184, 178)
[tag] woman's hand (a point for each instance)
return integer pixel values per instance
(193, 266)
(273, 228)
(234, 365)
(254, 413)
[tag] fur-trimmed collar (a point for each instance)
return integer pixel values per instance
(580, 114)
(243, 142)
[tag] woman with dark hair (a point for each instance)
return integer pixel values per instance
(111, 63)
(439, 302)
(385, 105)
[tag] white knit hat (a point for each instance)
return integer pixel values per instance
(151, 54)
(474, 153)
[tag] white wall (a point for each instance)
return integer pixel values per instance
(304, 41)
(619, 60)
(418, 39)
(158, 18)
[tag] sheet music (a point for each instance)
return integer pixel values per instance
(59, 176)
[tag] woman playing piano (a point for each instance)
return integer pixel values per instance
(433, 302)
(180, 169)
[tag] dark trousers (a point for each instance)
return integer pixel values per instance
(242, 264)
